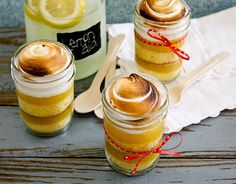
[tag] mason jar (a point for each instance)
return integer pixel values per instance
(154, 56)
(79, 24)
(45, 101)
(127, 134)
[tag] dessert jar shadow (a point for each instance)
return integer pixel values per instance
(45, 102)
(133, 134)
(154, 56)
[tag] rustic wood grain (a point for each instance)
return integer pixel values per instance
(77, 170)
(10, 40)
(212, 138)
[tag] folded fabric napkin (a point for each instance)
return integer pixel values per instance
(216, 91)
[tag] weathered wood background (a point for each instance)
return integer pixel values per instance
(208, 150)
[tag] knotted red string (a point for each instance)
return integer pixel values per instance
(153, 33)
(142, 155)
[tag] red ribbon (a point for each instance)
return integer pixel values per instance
(142, 155)
(153, 33)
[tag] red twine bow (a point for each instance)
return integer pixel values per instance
(153, 33)
(142, 155)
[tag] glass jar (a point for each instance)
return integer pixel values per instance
(84, 33)
(131, 135)
(45, 102)
(152, 55)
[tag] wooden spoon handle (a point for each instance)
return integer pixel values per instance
(113, 47)
(203, 69)
(111, 72)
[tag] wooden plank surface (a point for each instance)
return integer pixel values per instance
(74, 170)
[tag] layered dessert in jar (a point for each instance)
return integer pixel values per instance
(161, 28)
(43, 73)
(134, 108)
(79, 24)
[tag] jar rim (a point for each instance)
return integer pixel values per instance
(126, 117)
(153, 22)
(47, 78)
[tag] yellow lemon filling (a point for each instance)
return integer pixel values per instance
(47, 106)
(48, 125)
(159, 61)
(145, 140)
(116, 156)
(164, 72)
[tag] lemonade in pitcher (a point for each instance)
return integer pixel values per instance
(79, 24)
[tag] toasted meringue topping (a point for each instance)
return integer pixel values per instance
(134, 95)
(43, 58)
(162, 10)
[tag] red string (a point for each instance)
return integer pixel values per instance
(140, 38)
(142, 155)
(153, 33)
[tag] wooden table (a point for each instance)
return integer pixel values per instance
(208, 150)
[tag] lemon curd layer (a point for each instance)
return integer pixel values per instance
(45, 106)
(142, 140)
(146, 140)
(48, 125)
(37, 19)
(158, 61)
(164, 72)
(116, 157)
(157, 54)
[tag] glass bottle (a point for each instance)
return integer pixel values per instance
(83, 30)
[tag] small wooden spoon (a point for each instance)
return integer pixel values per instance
(176, 91)
(90, 99)
(111, 73)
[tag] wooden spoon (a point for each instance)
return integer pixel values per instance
(176, 91)
(111, 73)
(90, 99)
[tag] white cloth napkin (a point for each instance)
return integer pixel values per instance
(216, 91)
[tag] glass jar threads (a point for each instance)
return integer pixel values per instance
(134, 108)
(161, 28)
(43, 72)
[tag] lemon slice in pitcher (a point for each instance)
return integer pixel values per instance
(62, 13)
(32, 9)
(33, 4)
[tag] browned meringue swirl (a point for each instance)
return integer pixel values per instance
(162, 10)
(43, 58)
(134, 95)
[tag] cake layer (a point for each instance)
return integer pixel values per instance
(116, 158)
(49, 100)
(48, 125)
(142, 140)
(156, 54)
(164, 72)
(44, 107)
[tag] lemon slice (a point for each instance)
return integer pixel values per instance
(62, 13)
(32, 9)
(33, 4)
